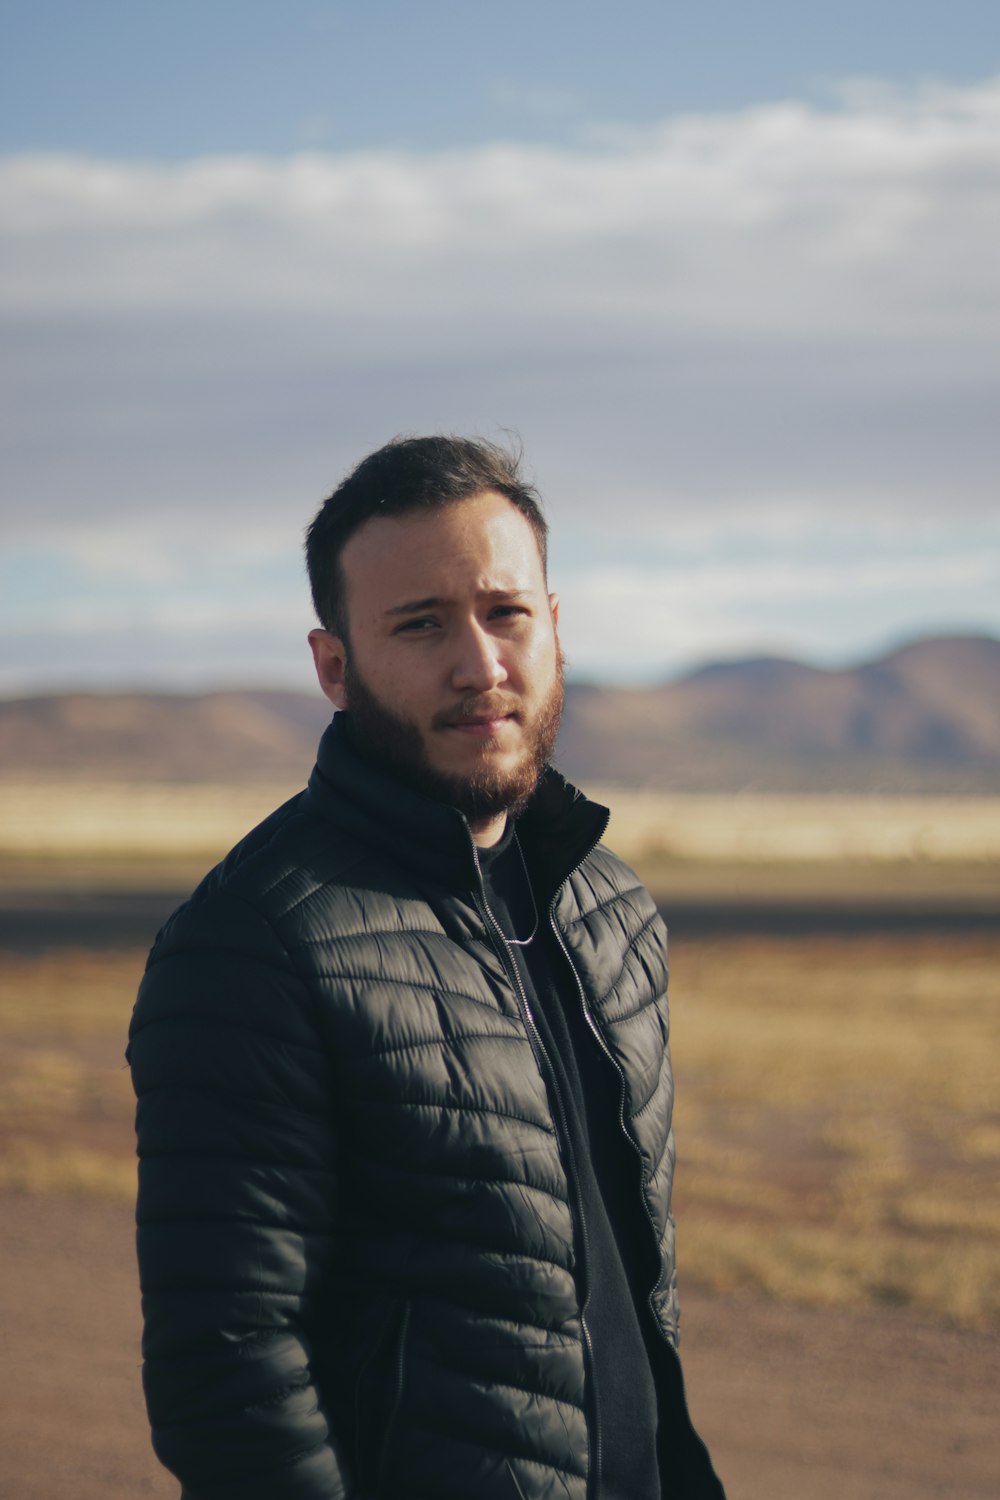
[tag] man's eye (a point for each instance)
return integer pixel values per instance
(416, 626)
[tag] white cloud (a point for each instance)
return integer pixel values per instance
(870, 219)
(152, 550)
(633, 621)
(688, 586)
(170, 615)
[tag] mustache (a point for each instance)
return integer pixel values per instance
(478, 706)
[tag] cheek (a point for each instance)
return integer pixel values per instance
(404, 683)
(539, 659)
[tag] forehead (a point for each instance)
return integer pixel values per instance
(482, 541)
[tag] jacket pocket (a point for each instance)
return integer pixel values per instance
(397, 1377)
(378, 1395)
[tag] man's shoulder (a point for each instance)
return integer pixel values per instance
(605, 897)
(615, 934)
(281, 866)
(605, 879)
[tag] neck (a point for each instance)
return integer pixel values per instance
(488, 831)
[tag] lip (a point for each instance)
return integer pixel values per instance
(482, 729)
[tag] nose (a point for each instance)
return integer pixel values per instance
(478, 664)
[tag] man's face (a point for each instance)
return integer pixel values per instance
(452, 674)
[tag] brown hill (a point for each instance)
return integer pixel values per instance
(924, 718)
(163, 736)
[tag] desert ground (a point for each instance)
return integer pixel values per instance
(838, 1126)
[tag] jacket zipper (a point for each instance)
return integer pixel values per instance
(537, 1044)
(513, 1479)
(598, 1035)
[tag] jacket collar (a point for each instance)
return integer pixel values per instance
(558, 828)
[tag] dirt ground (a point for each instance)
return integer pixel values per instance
(796, 1403)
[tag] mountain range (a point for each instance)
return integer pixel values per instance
(924, 718)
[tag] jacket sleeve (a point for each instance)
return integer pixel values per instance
(236, 1214)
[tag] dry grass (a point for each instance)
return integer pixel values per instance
(957, 1281)
(29, 1166)
(80, 834)
(838, 1110)
(64, 993)
(839, 1119)
(648, 828)
(66, 1101)
(143, 819)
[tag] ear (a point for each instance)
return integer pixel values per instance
(330, 658)
(554, 607)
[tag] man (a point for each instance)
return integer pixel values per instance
(401, 1062)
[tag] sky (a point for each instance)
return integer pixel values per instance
(730, 274)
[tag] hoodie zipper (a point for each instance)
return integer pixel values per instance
(537, 1044)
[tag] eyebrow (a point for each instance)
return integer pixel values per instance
(436, 601)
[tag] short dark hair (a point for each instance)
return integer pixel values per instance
(409, 473)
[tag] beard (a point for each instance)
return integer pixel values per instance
(398, 746)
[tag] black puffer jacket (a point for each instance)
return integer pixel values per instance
(355, 1234)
